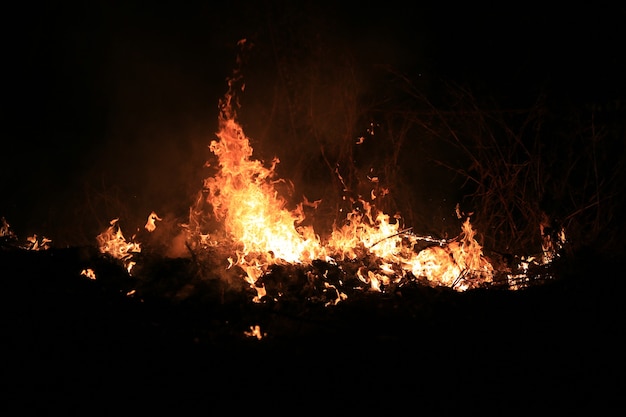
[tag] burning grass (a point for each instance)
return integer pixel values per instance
(241, 234)
(243, 231)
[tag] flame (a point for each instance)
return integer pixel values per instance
(460, 264)
(113, 242)
(33, 242)
(89, 273)
(5, 229)
(244, 201)
(253, 223)
(364, 228)
(151, 222)
(36, 243)
(255, 331)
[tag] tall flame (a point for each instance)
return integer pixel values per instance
(245, 202)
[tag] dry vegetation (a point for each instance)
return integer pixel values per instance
(430, 144)
(520, 172)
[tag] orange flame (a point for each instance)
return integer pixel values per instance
(244, 198)
(36, 243)
(459, 264)
(150, 225)
(262, 231)
(113, 242)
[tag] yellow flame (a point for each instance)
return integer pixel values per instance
(255, 331)
(5, 229)
(151, 223)
(36, 243)
(244, 201)
(89, 273)
(455, 264)
(113, 242)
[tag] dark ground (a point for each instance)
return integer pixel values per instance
(79, 346)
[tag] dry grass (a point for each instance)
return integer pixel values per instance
(520, 172)
(533, 171)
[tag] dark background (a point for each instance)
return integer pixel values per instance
(108, 107)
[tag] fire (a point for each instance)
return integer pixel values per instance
(113, 242)
(241, 212)
(5, 229)
(89, 273)
(33, 242)
(255, 331)
(244, 202)
(151, 222)
(365, 228)
(241, 215)
(457, 264)
(37, 243)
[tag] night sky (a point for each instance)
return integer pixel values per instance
(108, 107)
